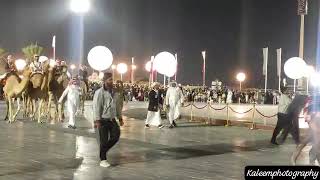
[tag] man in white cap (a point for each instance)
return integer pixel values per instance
(174, 99)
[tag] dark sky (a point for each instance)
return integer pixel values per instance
(233, 32)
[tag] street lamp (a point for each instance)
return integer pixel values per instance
(241, 77)
(122, 68)
(79, 6)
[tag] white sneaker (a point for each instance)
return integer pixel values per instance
(104, 163)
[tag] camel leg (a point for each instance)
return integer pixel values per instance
(39, 110)
(33, 112)
(10, 110)
(7, 114)
(18, 109)
(49, 106)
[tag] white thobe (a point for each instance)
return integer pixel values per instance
(174, 98)
(73, 101)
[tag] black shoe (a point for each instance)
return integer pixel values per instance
(160, 126)
(147, 126)
(171, 126)
(174, 124)
(70, 126)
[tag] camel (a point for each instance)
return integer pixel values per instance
(38, 89)
(14, 87)
(57, 85)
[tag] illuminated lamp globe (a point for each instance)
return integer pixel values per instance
(171, 70)
(43, 59)
(314, 79)
(294, 68)
(241, 77)
(148, 66)
(163, 61)
(20, 64)
(100, 58)
(122, 68)
(73, 66)
(308, 71)
(79, 6)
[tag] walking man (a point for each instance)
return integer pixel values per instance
(105, 112)
(283, 120)
(153, 116)
(174, 99)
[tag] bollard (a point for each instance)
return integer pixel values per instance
(227, 115)
(253, 126)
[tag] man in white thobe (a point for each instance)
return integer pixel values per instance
(73, 100)
(174, 99)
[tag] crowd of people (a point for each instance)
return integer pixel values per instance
(140, 93)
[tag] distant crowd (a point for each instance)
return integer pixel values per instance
(140, 93)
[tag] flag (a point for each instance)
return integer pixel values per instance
(204, 54)
(279, 62)
(54, 41)
(265, 61)
(302, 7)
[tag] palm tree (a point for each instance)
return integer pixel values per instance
(31, 50)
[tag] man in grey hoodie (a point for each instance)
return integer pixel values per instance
(105, 111)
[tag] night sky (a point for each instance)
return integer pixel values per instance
(233, 32)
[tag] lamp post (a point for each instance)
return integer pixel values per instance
(133, 67)
(302, 11)
(113, 67)
(241, 77)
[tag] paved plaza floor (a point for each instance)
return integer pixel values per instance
(190, 151)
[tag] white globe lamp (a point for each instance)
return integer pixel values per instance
(80, 6)
(122, 68)
(165, 63)
(20, 64)
(294, 68)
(100, 58)
(241, 77)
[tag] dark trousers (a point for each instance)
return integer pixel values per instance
(281, 124)
(288, 125)
(108, 134)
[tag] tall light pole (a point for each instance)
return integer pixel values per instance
(133, 68)
(113, 67)
(204, 69)
(302, 11)
(80, 7)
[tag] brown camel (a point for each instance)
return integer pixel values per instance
(38, 89)
(58, 84)
(14, 87)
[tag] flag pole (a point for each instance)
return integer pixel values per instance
(265, 68)
(54, 47)
(175, 75)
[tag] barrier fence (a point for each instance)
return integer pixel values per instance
(228, 109)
